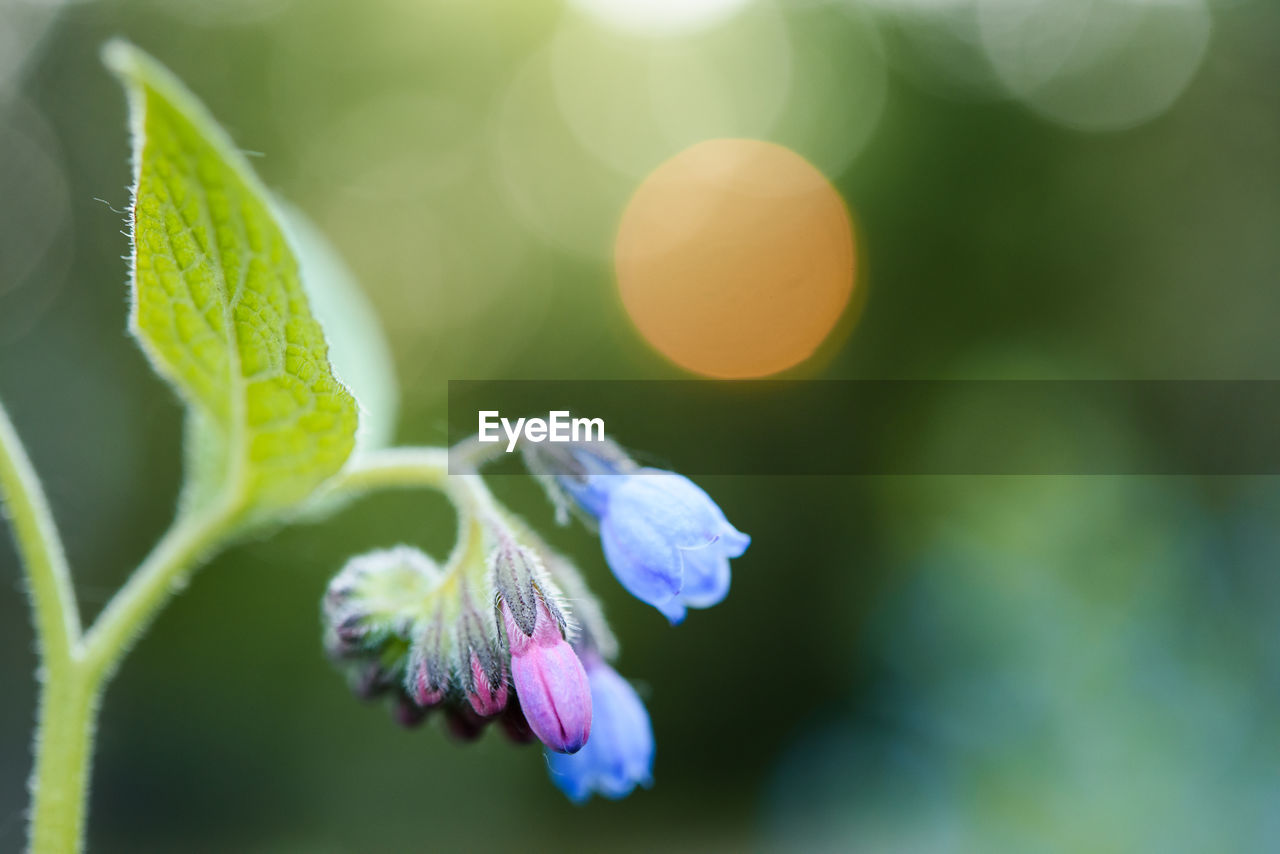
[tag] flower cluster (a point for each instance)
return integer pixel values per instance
(506, 631)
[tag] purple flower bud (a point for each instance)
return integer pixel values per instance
(351, 631)
(550, 683)
(486, 697)
(515, 570)
(368, 617)
(620, 754)
(427, 676)
(369, 680)
(480, 661)
(341, 644)
(425, 691)
(464, 724)
(406, 713)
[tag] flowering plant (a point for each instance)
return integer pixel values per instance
(288, 413)
(508, 631)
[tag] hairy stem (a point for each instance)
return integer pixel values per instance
(72, 681)
(183, 548)
(75, 668)
(394, 467)
(424, 467)
(53, 604)
(66, 701)
(64, 753)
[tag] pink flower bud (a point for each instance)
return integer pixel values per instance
(424, 692)
(464, 724)
(550, 683)
(486, 698)
(370, 681)
(407, 714)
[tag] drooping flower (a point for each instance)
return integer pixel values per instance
(517, 637)
(550, 683)
(398, 629)
(619, 755)
(666, 541)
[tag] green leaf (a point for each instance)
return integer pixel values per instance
(358, 347)
(219, 308)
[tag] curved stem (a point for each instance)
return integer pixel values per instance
(71, 686)
(471, 455)
(195, 538)
(67, 702)
(53, 603)
(75, 667)
(393, 467)
(179, 552)
(415, 467)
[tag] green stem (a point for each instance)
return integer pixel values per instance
(72, 687)
(75, 669)
(414, 468)
(394, 467)
(64, 752)
(183, 548)
(53, 604)
(66, 700)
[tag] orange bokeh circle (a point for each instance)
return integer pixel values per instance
(735, 258)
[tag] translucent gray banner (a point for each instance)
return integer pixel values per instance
(874, 427)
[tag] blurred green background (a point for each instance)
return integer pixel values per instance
(1042, 190)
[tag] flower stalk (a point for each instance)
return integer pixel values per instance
(75, 667)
